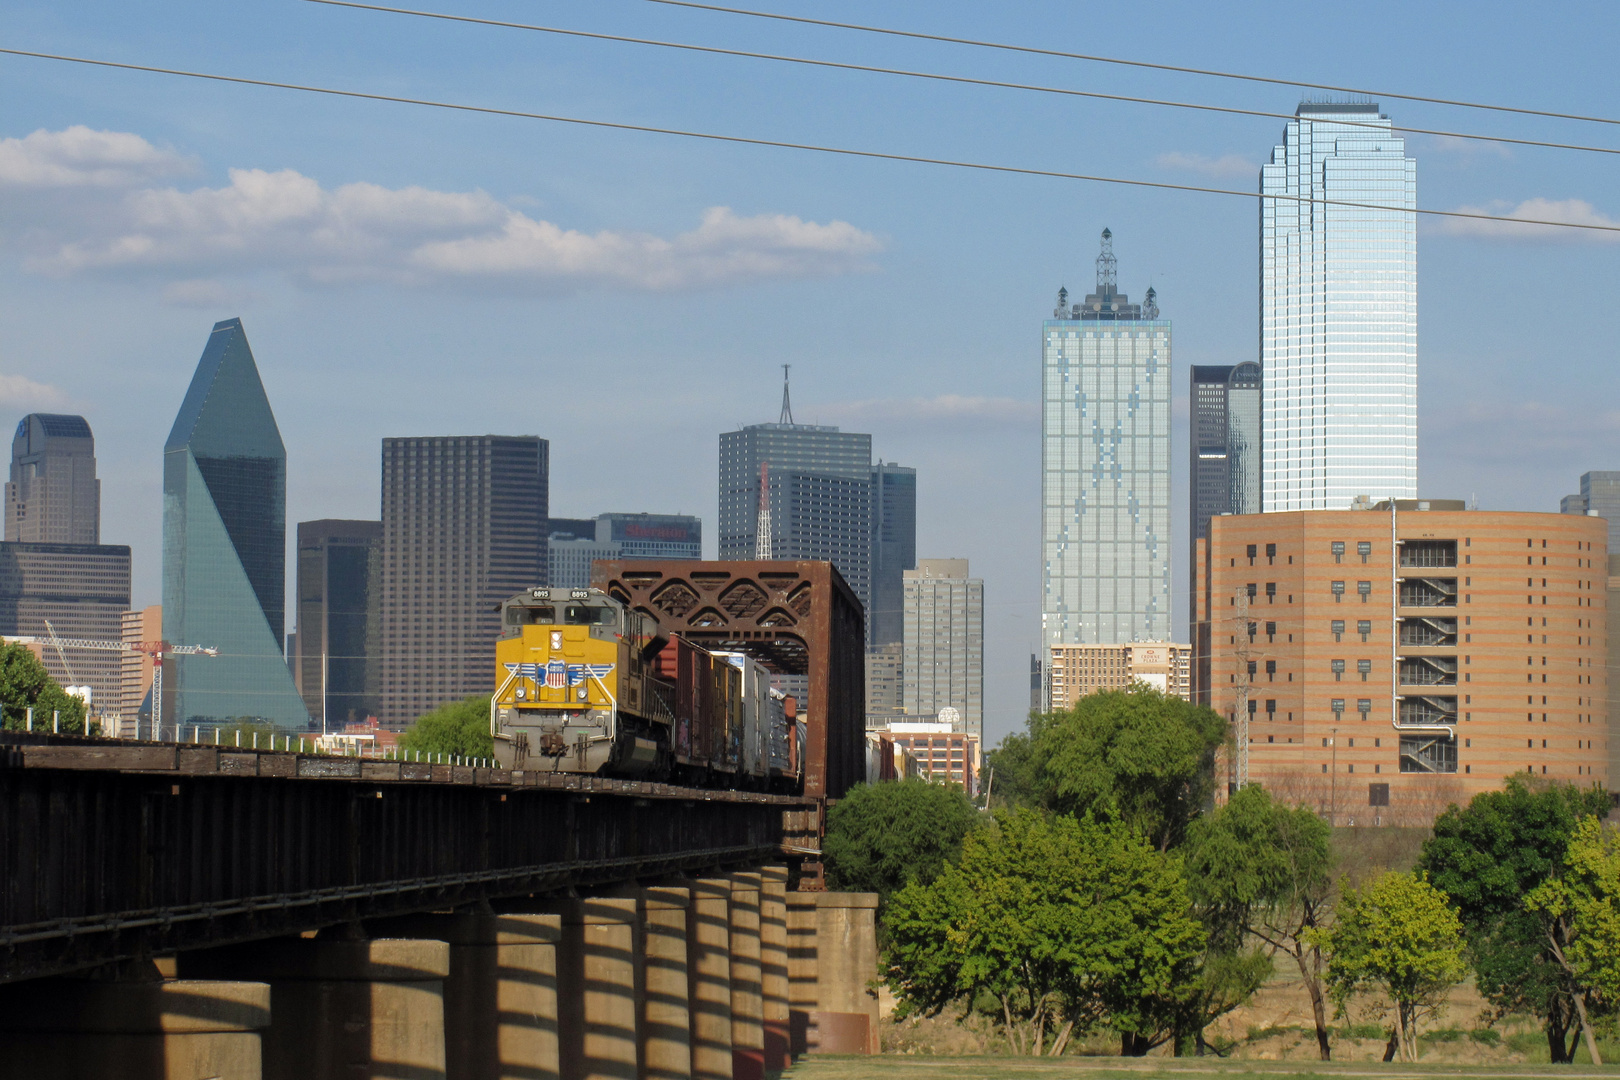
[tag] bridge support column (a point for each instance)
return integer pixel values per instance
(832, 957)
(773, 962)
(345, 1009)
(708, 935)
(747, 990)
(139, 1029)
(500, 998)
(666, 1016)
(599, 970)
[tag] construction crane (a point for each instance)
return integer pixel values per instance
(155, 649)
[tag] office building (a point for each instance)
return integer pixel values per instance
(578, 542)
(1338, 311)
(81, 591)
(465, 525)
(1078, 670)
(224, 546)
(943, 661)
(884, 689)
(135, 673)
(942, 754)
(826, 500)
(1105, 467)
(337, 652)
(1382, 683)
(1599, 497)
(53, 496)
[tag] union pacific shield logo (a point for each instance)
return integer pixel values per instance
(556, 674)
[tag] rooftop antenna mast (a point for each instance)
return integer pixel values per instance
(762, 529)
(1107, 266)
(787, 406)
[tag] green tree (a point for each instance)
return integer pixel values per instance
(1011, 775)
(1579, 913)
(459, 728)
(25, 684)
(1064, 923)
(1490, 855)
(1257, 869)
(1137, 755)
(881, 837)
(1401, 936)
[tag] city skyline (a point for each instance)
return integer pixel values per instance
(921, 335)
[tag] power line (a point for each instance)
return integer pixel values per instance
(1132, 63)
(786, 145)
(937, 77)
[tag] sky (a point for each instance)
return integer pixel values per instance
(403, 270)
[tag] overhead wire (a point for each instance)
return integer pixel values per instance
(939, 77)
(1097, 59)
(783, 144)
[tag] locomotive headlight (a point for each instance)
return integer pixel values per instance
(522, 693)
(556, 639)
(583, 694)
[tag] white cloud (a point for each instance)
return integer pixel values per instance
(285, 221)
(1574, 211)
(19, 392)
(1223, 166)
(80, 157)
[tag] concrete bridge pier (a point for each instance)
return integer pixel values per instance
(832, 959)
(747, 987)
(500, 997)
(344, 1009)
(666, 1014)
(708, 930)
(600, 975)
(773, 964)
(139, 1027)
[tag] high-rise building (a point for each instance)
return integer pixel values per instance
(1105, 466)
(135, 671)
(224, 546)
(1599, 497)
(894, 548)
(826, 501)
(1078, 670)
(884, 688)
(578, 542)
(53, 496)
(1224, 447)
(1338, 311)
(1395, 660)
(464, 527)
(943, 664)
(337, 657)
(82, 591)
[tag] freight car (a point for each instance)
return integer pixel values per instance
(584, 684)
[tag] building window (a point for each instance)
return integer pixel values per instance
(1251, 589)
(1251, 553)
(1338, 709)
(1365, 668)
(1338, 591)
(1271, 592)
(1271, 553)
(1271, 670)
(1338, 551)
(1338, 629)
(1271, 709)
(1271, 631)
(1365, 589)
(1338, 670)
(1364, 706)
(1364, 628)
(1364, 549)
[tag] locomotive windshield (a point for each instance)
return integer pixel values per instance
(590, 615)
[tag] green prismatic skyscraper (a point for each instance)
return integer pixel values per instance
(224, 545)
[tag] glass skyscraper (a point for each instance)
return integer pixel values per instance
(53, 496)
(1338, 311)
(942, 663)
(1105, 467)
(337, 659)
(224, 546)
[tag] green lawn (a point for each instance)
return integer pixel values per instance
(999, 1068)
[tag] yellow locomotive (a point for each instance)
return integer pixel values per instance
(584, 684)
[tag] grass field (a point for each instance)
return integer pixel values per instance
(894, 1067)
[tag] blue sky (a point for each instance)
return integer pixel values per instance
(403, 270)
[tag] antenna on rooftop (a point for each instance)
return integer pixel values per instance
(787, 406)
(762, 527)
(1107, 265)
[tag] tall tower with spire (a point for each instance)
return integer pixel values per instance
(1105, 466)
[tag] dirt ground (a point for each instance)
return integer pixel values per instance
(982, 1068)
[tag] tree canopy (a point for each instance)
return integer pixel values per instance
(456, 728)
(881, 837)
(1257, 868)
(1064, 922)
(1399, 935)
(1490, 855)
(1137, 755)
(24, 683)
(1580, 913)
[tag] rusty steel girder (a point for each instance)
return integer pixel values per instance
(795, 617)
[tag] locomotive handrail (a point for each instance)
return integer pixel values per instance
(494, 700)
